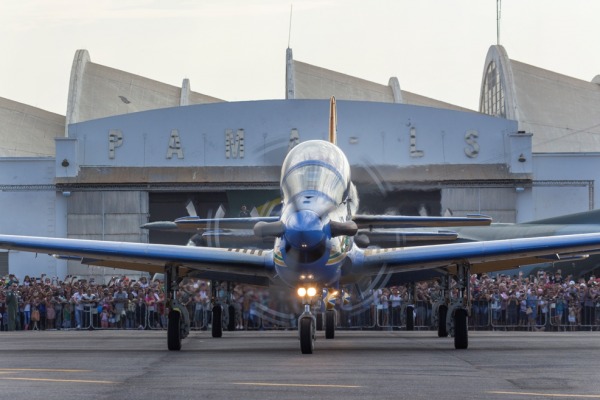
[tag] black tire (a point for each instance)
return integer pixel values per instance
(461, 330)
(231, 322)
(174, 331)
(217, 321)
(442, 313)
(410, 318)
(329, 324)
(319, 316)
(307, 343)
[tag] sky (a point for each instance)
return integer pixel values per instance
(235, 49)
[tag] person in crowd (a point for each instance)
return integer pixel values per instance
(89, 302)
(76, 300)
(120, 301)
(12, 304)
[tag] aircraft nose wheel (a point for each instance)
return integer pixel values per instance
(307, 335)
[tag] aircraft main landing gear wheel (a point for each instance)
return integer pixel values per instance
(174, 331)
(319, 317)
(231, 323)
(307, 335)
(442, 314)
(410, 318)
(217, 321)
(329, 324)
(461, 331)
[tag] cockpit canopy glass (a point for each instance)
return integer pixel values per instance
(316, 166)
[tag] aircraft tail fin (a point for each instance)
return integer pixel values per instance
(332, 121)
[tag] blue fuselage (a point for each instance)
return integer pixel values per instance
(315, 181)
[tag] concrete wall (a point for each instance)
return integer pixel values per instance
(26, 131)
(30, 206)
(565, 183)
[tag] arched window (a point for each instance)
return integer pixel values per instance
(492, 101)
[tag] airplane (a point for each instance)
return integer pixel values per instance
(315, 248)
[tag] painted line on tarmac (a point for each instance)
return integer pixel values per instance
(557, 395)
(45, 370)
(58, 380)
(295, 385)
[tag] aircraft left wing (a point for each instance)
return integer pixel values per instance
(194, 223)
(483, 256)
(219, 263)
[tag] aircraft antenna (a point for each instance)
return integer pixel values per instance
(290, 28)
(498, 16)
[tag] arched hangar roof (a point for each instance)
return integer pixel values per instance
(306, 81)
(97, 91)
(562, 112)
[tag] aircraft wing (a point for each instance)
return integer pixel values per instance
(195, 223)
(483, 256)
(403, 221)
(242, 265)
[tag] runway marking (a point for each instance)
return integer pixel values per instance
(45, 370)
(5, 371)
(295, 385)
(58, 380)
(579, 396)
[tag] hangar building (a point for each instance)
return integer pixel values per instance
(132, 150)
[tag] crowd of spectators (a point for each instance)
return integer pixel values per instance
(532, 302)
(50, 303)
(540, 301)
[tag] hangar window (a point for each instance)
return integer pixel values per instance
(492, 99)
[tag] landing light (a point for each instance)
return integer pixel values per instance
(310, 292)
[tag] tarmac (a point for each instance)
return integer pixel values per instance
(268, 365)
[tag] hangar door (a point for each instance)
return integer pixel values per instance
(226, 204)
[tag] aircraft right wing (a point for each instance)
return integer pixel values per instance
(242, 265)
(483, 256)
(402, 221)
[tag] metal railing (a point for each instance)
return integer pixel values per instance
(524, 314)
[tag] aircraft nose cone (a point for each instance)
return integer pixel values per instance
(304, 229)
